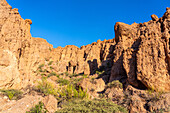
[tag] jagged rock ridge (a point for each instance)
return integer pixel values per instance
(142, 53)
(138, 55)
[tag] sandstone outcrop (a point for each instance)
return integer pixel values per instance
(142, 53)
(20, 53)
(138, 55)
(20, 106)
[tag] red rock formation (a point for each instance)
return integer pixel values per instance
(142, 53)
(138, 55)
(18, 49)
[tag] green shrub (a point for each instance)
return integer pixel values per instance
(62, 81)
(51, 68)
(100, 72)
(45, 70)
(156, 97)
(66, 73)
(42, 74)
(50, 63)
(52, 74)
(58, 76)
(68, 92)
(40, 70)
(115, 84)
(82, 94)
(75, 81)
(101, 95)
(46, 88)
(76, 75)
(39, 108)
(40, 66)
(73, 75)
(12, 94)
(151, 90)
(90, 106)
(85, 76)
(50, 49)
(46, 59)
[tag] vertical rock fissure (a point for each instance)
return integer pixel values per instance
(167, 54)
(162, 27)
(19, 56)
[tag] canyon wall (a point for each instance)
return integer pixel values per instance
(138, 55)
(142, 53)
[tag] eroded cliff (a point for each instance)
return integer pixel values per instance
(138, 55)
(142, 53)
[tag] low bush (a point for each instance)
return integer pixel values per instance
(90, 106)
(62, 81)
(39, 108)
(50, 63)
(12, 94)
(66, 73)
(68, 92)
(100, 72)
(52, 74)
(51, 68)
(151, 90)
(47, 88)
(115, 84)
(73, 75)
(156, 97)
(40, 66)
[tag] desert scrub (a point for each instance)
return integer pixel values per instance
(62, 81)
(50, 63)
(78, 75)
(68, 92)
(12, 94)
(46, 88)
(50, 49)
(156, 97)
(73, 75)
(39, 108)
(51, 68)
(66, 73)
(101, 95)
(115, 84)
(100, 72)
(40, 66)
(75, 81)
(90, 106)
(72, 81)
(151, 90)
(52, 74)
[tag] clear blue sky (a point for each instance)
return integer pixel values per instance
(81, 22)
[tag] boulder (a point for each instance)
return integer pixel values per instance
(50, 103)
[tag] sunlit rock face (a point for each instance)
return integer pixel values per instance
(142, 55)
(22, 54)
(19, 51)
(138, 55)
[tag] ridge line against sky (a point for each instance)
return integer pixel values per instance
(81, 22)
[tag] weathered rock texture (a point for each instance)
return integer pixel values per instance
(19, 52)
(138, 55)
(142, 53)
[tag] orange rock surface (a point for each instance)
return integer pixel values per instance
(139, 54)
